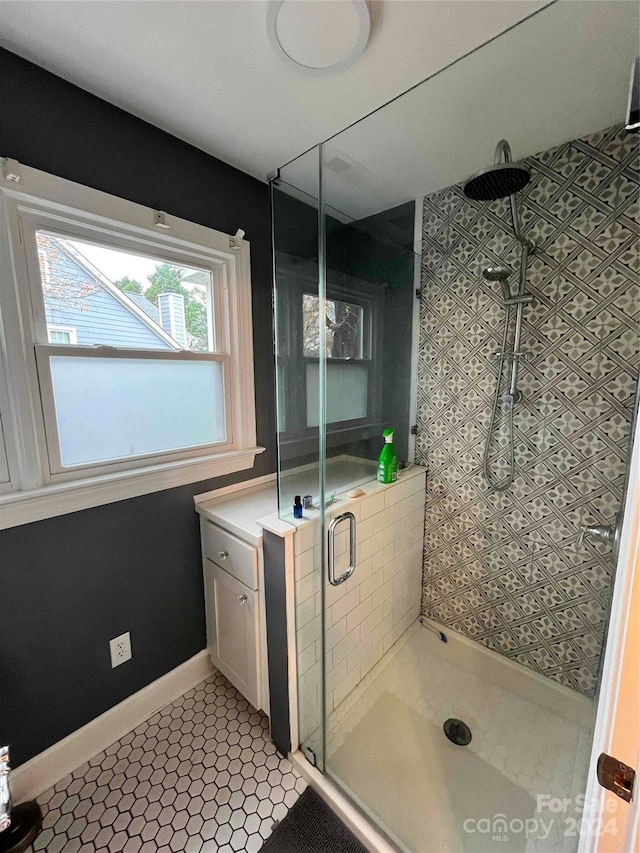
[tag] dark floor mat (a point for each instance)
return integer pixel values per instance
(311, 826)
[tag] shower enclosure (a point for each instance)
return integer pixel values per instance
(449, 639)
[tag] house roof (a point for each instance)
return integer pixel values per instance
(148, 307)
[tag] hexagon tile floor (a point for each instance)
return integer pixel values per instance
(199, 776)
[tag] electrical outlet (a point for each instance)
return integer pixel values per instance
(120, 648)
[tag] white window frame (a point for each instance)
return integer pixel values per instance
(39, 487)
(70, 330)
(5, 469)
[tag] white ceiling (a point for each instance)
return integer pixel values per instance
(205, 71)
(560, 75)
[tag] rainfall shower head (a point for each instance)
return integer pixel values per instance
(499, 180)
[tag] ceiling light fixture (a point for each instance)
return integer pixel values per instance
(319, 35)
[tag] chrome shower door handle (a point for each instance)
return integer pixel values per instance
(331, 548)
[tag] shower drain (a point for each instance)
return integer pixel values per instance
(457, 731)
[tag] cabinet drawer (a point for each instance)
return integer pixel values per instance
(232, 554)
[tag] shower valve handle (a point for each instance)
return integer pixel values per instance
(603, 532)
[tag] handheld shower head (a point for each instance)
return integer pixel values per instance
(500, 274)
(496, 273)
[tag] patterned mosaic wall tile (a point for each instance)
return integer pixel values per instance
(505, 569)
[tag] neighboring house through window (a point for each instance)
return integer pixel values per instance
(78, 296)
(62, 334)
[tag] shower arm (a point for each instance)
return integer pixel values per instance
(503, 154)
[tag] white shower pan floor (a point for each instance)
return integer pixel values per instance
(529, 750)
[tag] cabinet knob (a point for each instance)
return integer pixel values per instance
(223, 555)
(242, 599)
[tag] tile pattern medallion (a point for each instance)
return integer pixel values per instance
(506, 569)
(199, 776)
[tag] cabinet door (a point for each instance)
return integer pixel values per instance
(235, 634)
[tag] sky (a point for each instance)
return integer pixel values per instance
(114, 264)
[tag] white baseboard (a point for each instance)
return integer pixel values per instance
(31, 779)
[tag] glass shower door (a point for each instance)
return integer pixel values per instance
(484, 706)
(344, 312)
(372, 588)
(299, 317)
(522, 600)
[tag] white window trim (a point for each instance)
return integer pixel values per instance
(33, 493)
(71, 331)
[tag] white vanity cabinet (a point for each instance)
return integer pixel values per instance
(233, 573)
(232, 609)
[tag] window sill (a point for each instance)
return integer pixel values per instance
(49, 501)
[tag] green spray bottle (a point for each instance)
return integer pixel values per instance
(387, 462)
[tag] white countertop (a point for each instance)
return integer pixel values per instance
(341, 503)
(239, 509)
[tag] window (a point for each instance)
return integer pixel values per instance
(115, 298)
(137, 368)
(348, 353)
(344, 328)
(62, 334)
(352, 340)
(118, 405)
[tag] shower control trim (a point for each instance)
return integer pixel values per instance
(331, 547)
(603, 532)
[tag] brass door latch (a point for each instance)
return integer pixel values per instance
(616, 776)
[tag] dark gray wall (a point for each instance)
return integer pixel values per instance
(275, 594)
(379, 249)
(377, 252)
(69, 584)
